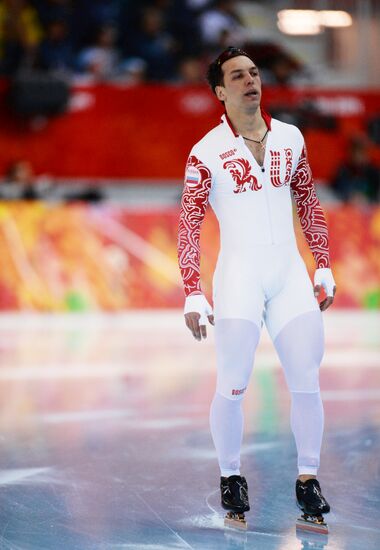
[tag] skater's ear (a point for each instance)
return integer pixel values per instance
(220, 93)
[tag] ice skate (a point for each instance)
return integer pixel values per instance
(234, 498)
(313, 504)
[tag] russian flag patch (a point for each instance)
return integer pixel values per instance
(192, 176)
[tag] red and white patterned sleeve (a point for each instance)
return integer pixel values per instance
(309, 211)
(193, 207)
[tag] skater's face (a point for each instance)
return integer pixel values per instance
(241, 88)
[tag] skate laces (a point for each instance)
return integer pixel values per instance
(240, 488)
(243, 492)
(317, 491)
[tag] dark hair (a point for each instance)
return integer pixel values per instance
(214, 73)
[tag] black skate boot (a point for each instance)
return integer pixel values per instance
(234, 497)
(310, 499)
(313, 504)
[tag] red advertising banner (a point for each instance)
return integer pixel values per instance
(146, 132)
(108, 258)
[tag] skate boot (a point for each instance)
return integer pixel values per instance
(234, 497)
(313, 504)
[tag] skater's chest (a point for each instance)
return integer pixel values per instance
(252, 168)
(256, 150)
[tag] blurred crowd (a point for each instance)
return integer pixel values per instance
(21, 183)
(149, 40)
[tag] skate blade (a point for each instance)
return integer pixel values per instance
(235, 521)
(312, 524)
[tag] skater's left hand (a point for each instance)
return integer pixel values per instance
(323, 277)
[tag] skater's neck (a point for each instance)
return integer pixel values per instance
(247, 123)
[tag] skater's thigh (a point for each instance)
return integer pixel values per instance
(236, 342)
(237, 291)
(295, 298)
(294, 322)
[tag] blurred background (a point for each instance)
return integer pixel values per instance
(100, 104)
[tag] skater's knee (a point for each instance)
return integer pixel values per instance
(230, 391)
(306, 380)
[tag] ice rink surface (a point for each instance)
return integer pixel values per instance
(105, 442)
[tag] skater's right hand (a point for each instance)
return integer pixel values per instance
(197, 311)
(323, 278)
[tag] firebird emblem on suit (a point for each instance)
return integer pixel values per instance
(240, 170)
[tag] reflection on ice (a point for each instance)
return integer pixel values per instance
(26, 475)
(83, 416)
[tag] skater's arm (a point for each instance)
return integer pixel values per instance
(314, 227)
(193, 207)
